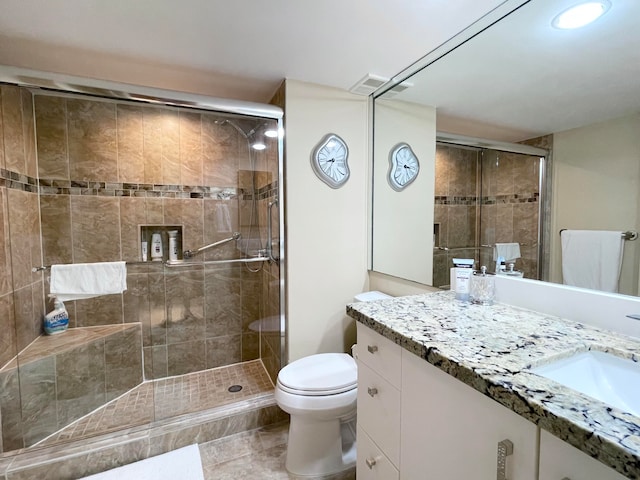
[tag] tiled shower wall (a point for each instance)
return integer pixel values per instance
(501, 206)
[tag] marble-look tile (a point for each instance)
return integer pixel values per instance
(504, 222)
(170, 125)
(123, 362)
(185, 357)
(250, 346)
(191, 148)
(103, 310)
(10, 406)
(2, 163)
(222, 300)
(461, 226)
(92, 140)
(222, 150)
(152, 144)
(160, 361)
(157, 308)
(25, 236)
(188, 213)
(55, 216)
(133, 214)
(38, 399)
(220, 219)
(84, 463)
(462, 172)
(6, 282)
(28, 129)
(28, 323)
(95, 225)
(130, 143)
(51, 135)
(184, 289)
(13, 129)
(8, 340)
(223, 350)
(136, 303)
(80, 380)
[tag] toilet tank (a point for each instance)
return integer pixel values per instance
(370, 296)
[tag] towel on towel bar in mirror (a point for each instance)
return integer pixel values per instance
(508, 251)
(592, 258)
(76, 281)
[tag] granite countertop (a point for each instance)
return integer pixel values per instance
(491, 348)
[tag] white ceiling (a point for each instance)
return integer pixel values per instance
(228, 48)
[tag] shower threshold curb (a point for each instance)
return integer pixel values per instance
(93, 455)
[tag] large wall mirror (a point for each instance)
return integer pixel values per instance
(521, 129)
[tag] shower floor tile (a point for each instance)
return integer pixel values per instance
(170, 397)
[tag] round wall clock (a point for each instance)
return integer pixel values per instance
(404, 167)
(329, 160)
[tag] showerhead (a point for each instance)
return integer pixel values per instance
(245, 134)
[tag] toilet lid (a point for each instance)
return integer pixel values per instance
(324, 373)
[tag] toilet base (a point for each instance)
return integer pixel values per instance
(320, 448)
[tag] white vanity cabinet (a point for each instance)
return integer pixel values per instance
(378, 406)
(451, 431)
(561, 461)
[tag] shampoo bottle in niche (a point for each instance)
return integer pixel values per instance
(156, 247)
(173, 244)
(57, 320)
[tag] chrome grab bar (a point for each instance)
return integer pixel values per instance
(182, 263)
(193, 253)
(270, 231)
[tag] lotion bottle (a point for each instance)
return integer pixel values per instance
(173, 244)
(156, 247)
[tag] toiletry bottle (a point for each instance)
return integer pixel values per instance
(145, 251)
(57, 320)
(173, 244)
(156, 247)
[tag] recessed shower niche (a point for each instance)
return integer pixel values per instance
(168, 237)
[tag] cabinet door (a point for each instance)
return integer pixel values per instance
(559, 460)
(373, 464)
(450, 431)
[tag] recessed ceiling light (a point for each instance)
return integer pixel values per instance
(259, 146)
(581, 14)
(271, 133)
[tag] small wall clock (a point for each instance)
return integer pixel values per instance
(404, 167)
(329, 160)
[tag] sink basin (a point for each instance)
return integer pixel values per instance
(610, 379)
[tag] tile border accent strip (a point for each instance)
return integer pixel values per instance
(45, 186)
(488, 200)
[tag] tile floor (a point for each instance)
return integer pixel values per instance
(170, 397)
(254, 455)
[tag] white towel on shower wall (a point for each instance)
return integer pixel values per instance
(223, 218)
(592, 258)
(508, 251)
(86, 280)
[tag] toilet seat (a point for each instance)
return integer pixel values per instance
(319, 375)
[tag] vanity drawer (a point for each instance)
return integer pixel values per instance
(372, 464)
(380, 354)
(379, 411)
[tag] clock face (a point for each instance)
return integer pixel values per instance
(329, 161)
(404, 166)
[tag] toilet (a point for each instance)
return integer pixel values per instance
(319, 393)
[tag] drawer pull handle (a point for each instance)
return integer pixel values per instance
(505, 448)
(370, 462)
(373, 391)
(372, 348)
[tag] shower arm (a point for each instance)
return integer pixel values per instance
(193, 253)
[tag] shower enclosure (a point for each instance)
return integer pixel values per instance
(486, 196)
(88, 179)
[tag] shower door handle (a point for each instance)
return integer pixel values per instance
(270, 230)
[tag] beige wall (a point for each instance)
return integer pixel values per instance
(403, 221)
(596, 185)
(326, 228)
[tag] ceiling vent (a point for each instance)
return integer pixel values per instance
(401, 87)
(368, 84)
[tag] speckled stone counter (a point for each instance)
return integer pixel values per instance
(491, 348)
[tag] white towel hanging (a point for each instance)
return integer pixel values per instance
(76, 281)
(592, 258)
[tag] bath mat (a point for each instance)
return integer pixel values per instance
(183, 463)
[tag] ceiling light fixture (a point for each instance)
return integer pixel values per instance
(581, 14)
(258, 146)
(271, 133)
